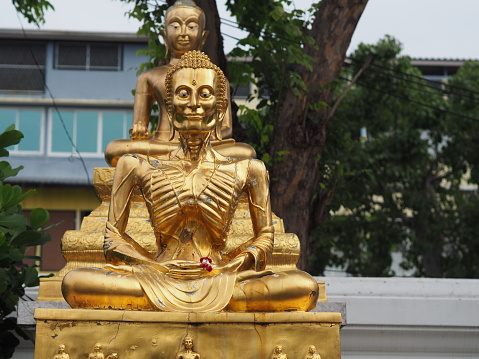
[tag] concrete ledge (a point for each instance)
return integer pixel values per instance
(173, 317)
(407, 301)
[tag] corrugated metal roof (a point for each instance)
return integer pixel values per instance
(72, 35)
(54, 170)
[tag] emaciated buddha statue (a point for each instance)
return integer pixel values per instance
(184, 31)
(191, 194)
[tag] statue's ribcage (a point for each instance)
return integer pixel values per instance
(208, 197)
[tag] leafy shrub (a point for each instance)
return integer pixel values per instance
(17, 233)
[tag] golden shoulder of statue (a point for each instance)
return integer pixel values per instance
(184, 31)
(191, 194)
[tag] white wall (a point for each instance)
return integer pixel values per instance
(407, 317)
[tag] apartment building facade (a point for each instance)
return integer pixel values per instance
(70, 93)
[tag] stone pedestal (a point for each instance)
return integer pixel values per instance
(159, 335)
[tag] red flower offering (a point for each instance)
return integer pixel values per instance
(206, 263)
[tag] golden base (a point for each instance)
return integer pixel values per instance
(160, 335)
(50, 289)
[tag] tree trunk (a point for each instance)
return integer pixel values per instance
(301, 132)
(214, 43)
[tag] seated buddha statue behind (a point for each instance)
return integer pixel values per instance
(184, 31)
(191, 194)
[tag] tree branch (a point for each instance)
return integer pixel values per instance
(346, 90)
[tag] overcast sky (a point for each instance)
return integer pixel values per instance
(427, 28)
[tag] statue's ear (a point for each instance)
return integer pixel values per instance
(218, 135)
(163, 35)
(170, 120)
(219, 123)
(204, 36)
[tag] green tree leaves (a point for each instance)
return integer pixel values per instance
(411, 188)
(16, 235)
(33, 10)
(275, 45)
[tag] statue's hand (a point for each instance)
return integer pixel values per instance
(240, 263)
(139, 131)
(128, 268)
(183, 269)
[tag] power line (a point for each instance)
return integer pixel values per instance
(235, 24)
(54, 104)
(419, 77)
(230, 36)
(423, 83)
(413, 101)
(464, 91)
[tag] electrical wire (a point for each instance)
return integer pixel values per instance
(430, 89)
(445, 89)
(235, 24)
(412, 101)
(419, 77)
(54, 105)
(390, 73)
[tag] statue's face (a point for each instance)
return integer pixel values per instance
(97, 347)
(194, 100)
(312, 349)
(61, 348)
(188, 343)
(184, 29)
(279, 349)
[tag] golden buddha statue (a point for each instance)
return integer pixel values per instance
(184, 31)
(191, 194)
(62, 354)
(278, 353)
(97, 353)
(187, 352)
(312, 353)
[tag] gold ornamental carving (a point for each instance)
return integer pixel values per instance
(62, 354)
(187, 352)
(312, 353)
(278, 353)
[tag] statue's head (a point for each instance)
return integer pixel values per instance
(278, 349)
(196, 97)
(188, 342)
(97, 347)
(312, 349)
(61, 348)
(184, 28)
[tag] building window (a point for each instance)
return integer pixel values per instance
(28, 121)
(241, 91)
(22, 66)
(90, 131)
(88, 56)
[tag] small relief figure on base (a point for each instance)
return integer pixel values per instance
(97, 353)
(312, 353)
(61, 353)
(112, 356)
(187, 352)
(278, 353)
